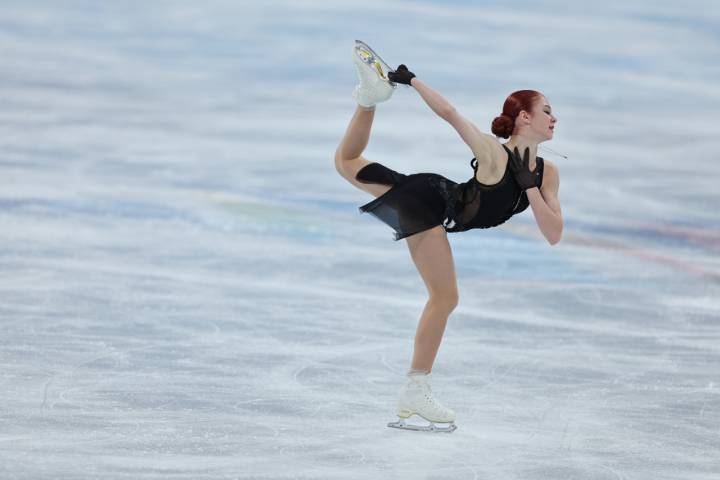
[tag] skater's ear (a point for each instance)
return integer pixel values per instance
(523, 117)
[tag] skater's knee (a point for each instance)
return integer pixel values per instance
(339, 162)
(342, 163)
(446, 300)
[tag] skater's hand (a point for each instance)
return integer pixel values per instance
(520, 167)
(401, 75)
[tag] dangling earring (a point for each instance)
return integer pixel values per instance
(552, 152)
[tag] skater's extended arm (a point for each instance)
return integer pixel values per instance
(434, 100)
(479, 143)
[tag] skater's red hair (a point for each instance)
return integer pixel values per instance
(504, 125)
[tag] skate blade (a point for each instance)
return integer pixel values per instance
(371, 58)
(403, 425)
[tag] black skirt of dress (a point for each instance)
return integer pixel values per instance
(415, 202)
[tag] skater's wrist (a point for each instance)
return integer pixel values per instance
(401, 75)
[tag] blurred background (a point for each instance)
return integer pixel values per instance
(189, 290)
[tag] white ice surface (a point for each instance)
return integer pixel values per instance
(189, 292)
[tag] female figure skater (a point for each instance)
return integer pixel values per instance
(422, 207)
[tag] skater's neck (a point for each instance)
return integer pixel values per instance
(522, 142)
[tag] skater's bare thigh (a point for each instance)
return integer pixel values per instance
(431, 252)
(348, 168)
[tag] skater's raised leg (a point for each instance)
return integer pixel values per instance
(348, 156)
(373, 88)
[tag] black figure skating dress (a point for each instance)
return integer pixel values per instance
(421, 201)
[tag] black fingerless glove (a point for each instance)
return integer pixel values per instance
(401, 75)
(520, 167)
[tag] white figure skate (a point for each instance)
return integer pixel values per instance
(416, 399)
(374, 86)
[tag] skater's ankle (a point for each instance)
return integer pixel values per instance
(417, 371)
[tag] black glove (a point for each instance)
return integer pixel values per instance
(521, 169)
(401, 75)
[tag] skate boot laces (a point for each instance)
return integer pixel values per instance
(430, 400)
(419, 388)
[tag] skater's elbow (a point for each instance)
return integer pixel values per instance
(555, 238)
(447, 112)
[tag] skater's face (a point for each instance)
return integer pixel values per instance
(541, 120)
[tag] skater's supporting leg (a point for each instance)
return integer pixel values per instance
(430, 250)
(348, 156)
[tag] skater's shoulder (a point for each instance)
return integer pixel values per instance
(496, 153)
(485, 147)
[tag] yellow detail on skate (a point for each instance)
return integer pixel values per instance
(379, 69)
(364, 54)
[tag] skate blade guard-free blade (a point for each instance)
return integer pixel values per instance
(402, 424)
(369, 56)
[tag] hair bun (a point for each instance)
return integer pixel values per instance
(503, 126)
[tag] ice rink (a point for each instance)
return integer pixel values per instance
(189, 291)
